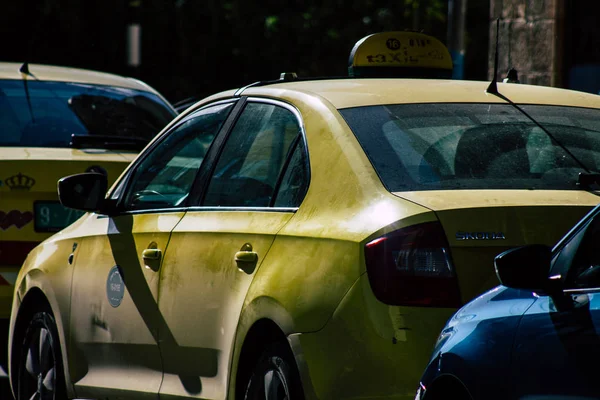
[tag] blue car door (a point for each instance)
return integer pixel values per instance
(556, 351)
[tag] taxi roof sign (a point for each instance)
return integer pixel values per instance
(400, 54)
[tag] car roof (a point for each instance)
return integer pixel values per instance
(10, 70)
(346, 93)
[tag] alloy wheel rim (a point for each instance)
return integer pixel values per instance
(275, 386)
(39, 372)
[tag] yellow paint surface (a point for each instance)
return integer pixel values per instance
(188, 317)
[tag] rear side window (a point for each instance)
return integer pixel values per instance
(262, 143)
(477, 146)
(47, 114)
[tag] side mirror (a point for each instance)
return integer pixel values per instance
(525, 267)
(84, 192)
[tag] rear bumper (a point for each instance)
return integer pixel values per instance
(371, 350)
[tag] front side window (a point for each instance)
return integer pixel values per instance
(62, 114)
(584, 271)
(477, 146)
(165, 176)
(255, 154)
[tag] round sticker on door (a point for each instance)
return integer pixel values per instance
(115, 287)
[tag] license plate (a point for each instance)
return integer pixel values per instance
(51, 216)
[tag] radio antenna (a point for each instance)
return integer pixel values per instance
(25, 70)
(493, 88)
(584, 179)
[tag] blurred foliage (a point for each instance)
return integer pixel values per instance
(193, 47)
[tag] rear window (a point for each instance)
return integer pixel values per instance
(476, 146)
(47, 114)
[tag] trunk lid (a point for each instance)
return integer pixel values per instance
(480, 224)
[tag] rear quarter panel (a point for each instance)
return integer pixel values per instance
(318, 255)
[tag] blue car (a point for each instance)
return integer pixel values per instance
(537, 336)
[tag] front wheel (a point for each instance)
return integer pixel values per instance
(275, 376)
(40, 373)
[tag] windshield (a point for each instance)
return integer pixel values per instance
(59, 110)
(476, 146)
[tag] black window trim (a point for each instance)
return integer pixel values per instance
(200, 184)
(286, 163)
(126, 179)
(202, 180)
(240, 208)
(144, 211)
(582, 290)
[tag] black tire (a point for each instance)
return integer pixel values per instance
(275, 376)
(40, 373)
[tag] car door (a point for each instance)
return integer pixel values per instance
(115, 316)
(257, 183)
(557, 344)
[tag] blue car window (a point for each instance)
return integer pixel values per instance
(48, 114)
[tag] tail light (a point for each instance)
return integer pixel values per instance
(412, 267)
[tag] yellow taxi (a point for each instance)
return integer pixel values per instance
(57, 121)
(301, 238)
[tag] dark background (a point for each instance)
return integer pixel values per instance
(198, 47)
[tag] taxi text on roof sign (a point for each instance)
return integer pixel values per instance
(400, 54)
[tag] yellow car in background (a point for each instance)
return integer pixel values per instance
(301, 238)
(57, 121)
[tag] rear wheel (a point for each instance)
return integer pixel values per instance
(275, 376)
(40, 373)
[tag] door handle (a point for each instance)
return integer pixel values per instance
(246, 257)
(151, 254)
